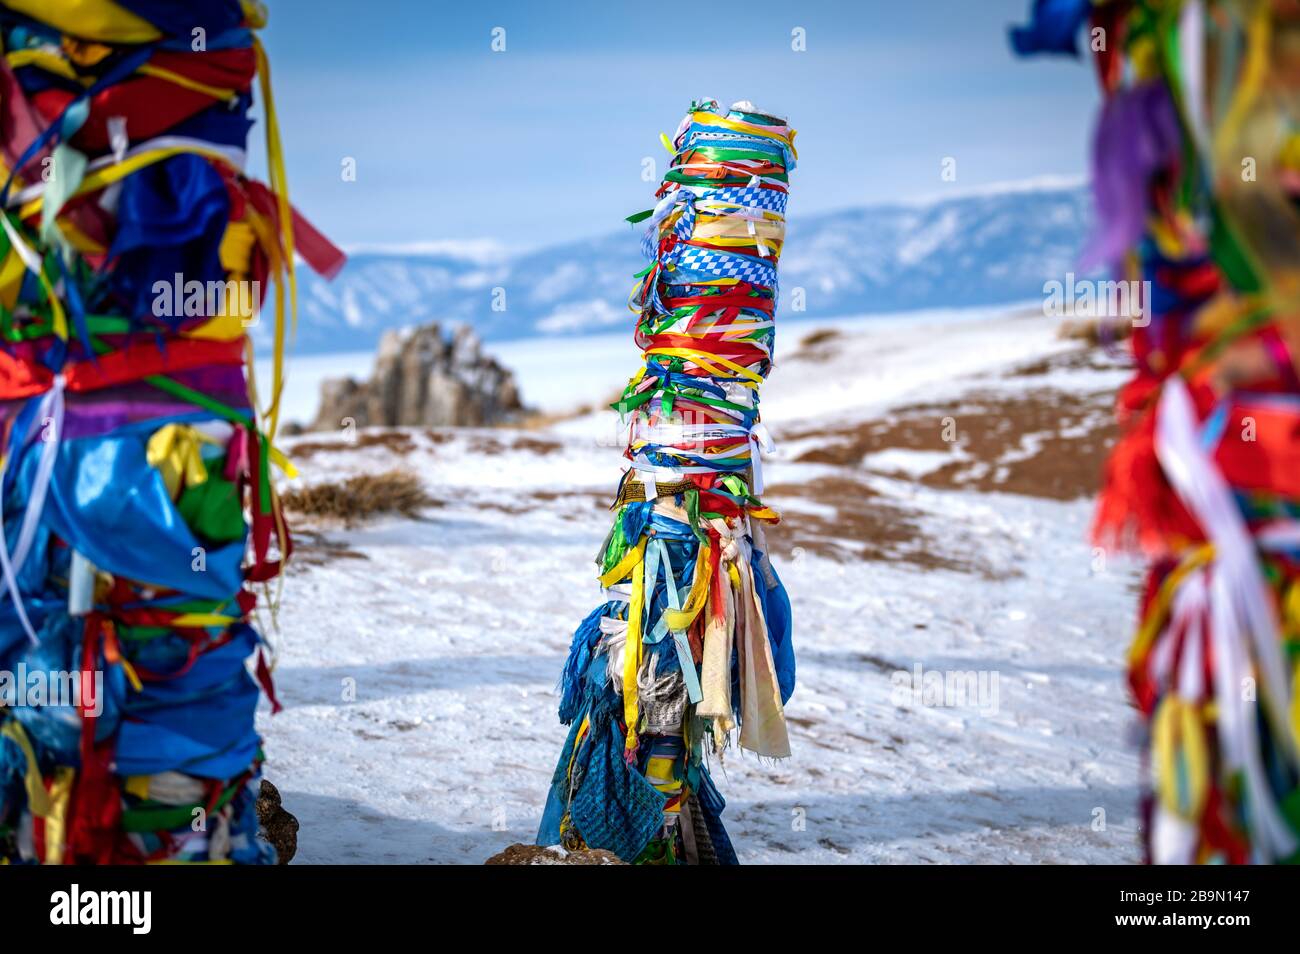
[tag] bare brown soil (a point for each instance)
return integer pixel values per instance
(865, 526)
(1041, 443)
(493, 445)
(1044, 442)
(399, 442)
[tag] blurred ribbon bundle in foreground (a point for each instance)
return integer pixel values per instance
(139, 511)
(1196, 171)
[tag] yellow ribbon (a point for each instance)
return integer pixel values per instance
(709, 363)
(33, 262)
(280, 187)
(621, 570)
(175, 450)
(90, 19)
(1178, 737)
(1159, 609)
(632, 650)
(38, 799)
(237, 244)
(1253, 74)
(137, 785)
(1295, 703)
(56, 822)
(738, 125)
(180, 861)
(162, 73)
(11, 278)
(51, 62)
(44, 58)
(630, 564)
(131, 676)
(79, 240)
(682, 618)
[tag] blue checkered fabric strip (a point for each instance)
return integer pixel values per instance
(756, 271)
(765, 200)
(752, 197)
(615, 808)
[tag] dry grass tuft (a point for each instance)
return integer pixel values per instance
(1094, 331)
(362, 496)
(820, 337)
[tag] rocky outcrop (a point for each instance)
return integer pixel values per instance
(537, 855)
(278, 826)
(423, 378)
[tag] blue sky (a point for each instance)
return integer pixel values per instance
(544, 142)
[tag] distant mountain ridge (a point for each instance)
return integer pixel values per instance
(984, 248)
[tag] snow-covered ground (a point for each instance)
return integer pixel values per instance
(418, 658)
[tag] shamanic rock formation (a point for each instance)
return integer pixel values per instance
(422, 378)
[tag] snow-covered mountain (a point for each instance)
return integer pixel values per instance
(992, 247)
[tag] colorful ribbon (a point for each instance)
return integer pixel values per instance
(133, 443)
(1198, 198)
(691, 588)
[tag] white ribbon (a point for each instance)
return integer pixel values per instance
(1241, 610)
(760, 441)
(233, 155)
(51, 411)
(672, 435)
(25, 252)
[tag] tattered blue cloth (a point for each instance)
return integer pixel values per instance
(171, 217)
(213, 16)
(226, 124)
(585, 639)
(1053, 27)
(614, 808)
(711, 805)
(54, 723)
(548, 831)
(200, 722)
(780, 622)
(111, 505)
